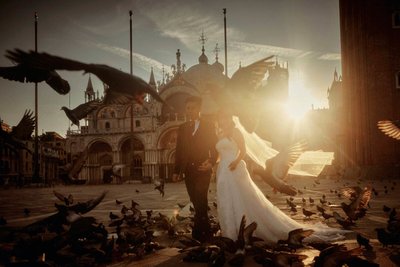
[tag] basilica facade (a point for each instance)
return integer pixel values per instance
(138, 141)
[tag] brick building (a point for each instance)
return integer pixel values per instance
(370, 39)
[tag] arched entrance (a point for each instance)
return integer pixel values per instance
(166, 146)
(133, 158)
(99, 162)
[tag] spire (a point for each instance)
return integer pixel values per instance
(216, 63)
(89, 92)
(203, 58)
(163, 75)
(178, 61)
(152, 81)
(89, 87)
(178, 67)
(105, 88)
(335, 75)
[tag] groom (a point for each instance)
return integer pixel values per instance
(195, 155)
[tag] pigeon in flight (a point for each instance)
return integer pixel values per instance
(276, 168)
(241, 93)
(123, 87)
(25, 127)
(23, 131)
(81, 111)
(360, 198)
(390, 128)
(24, 73)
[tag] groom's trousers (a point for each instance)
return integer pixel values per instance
(197, 184)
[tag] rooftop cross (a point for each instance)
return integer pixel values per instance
(202, 40)
(216, 50)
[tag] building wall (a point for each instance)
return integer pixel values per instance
(370, 61)
(16, 164)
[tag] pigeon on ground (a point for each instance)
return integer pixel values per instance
(335, 255)
(308, 213)
(363, 241)
(295, 238)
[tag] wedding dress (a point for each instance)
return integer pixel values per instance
(238, 195)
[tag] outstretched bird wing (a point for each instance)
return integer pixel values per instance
(296, 236)
(83, 207)
(132, 86)
(58, 195)
(241, 239)
(22, 73)
(44, 61)
(352, 192)
(248, 233)
(25, 127)
(276, 183)
(365, 197)
(84, 109)
(242, 87)
(113, 97)
(55, 81)
(247, 79)
(78, 164)
(280, 164)
(390, 128)
(18, 73)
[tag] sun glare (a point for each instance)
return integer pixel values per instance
(296, 110)
(298, 103)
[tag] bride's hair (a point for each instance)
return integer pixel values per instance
(226, 115)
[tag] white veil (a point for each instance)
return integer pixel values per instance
(257, 149)
(310, 163)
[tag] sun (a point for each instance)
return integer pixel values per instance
(296, 110)
(300, 98)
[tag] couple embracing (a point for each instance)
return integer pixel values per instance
(199, 144)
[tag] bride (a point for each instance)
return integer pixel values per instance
(238, 195)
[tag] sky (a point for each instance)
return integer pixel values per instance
(304, 33)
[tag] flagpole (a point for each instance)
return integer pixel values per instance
(226, 45)
(36, 150)
(132, 104)
(130, 38)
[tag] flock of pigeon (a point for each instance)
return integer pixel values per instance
(72, 238)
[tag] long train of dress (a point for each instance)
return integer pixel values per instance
(238, 195)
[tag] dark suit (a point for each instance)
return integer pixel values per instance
(191, 152)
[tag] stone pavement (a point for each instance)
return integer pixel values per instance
(41, 203)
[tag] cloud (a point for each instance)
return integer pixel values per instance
(186, 23)
(144, 62)
(330, 56)
(177, 20)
